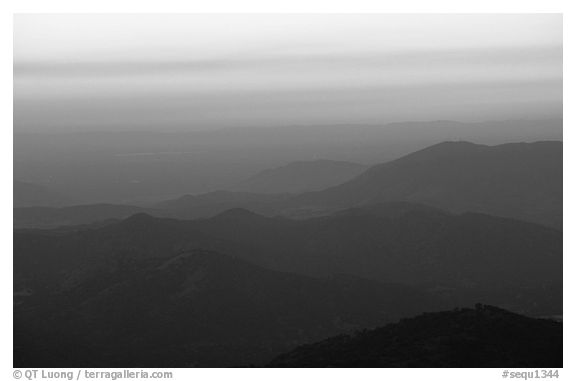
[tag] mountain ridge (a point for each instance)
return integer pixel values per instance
(485, 336)
(517, 180)
(396, 243)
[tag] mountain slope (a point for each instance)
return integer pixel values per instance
(199, 308)
(477, 257)
(483, 337)
(519, 180)
(399, 242)
(302, 176)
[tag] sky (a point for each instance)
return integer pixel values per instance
(198, 72)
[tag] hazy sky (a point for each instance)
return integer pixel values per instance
(78, 72)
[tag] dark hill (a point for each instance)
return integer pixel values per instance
(477, 338)
(198, 308)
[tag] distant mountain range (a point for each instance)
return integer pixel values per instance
(185, 207)
(302, 176)
(521, 181)
(484, 337)
(115, 166)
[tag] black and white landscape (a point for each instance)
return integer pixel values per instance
(288, 191)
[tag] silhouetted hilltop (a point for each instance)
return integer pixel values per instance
(482, 337)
